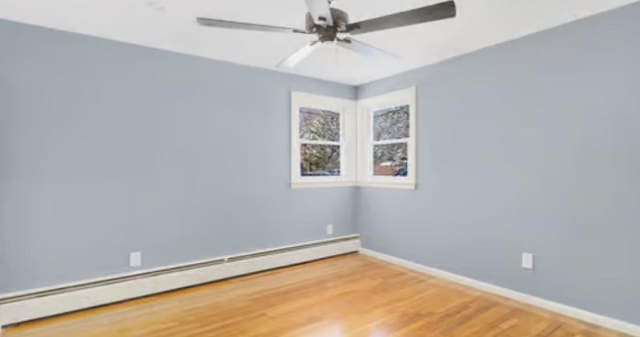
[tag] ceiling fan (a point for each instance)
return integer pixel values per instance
(332, 25)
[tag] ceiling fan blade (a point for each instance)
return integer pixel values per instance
(299, 55)
(365, 49)
(435, 12)
(247, 26)
(320, 11)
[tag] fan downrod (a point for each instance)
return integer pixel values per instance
(328, 33)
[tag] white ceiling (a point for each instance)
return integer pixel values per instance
(169, 24)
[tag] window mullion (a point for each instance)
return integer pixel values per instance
(319, 142)
(390, 141)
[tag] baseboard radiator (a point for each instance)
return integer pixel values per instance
(30, 305)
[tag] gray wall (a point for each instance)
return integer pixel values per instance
(107, 148)
(532, 145)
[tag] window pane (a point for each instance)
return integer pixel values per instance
(390, 160)
(392, 123)
(319, 160)
(318, 124)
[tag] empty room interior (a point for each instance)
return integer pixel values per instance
(320, 168)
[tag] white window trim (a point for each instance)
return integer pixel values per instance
(366, 108)
(346, 108)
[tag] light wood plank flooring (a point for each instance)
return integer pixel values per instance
(347, 296)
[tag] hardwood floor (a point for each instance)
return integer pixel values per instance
(351, 295)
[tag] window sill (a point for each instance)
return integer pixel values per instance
(383, 184)
(326, 184)
(321, 184)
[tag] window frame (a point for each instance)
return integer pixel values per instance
(346, 110)
(366, 110)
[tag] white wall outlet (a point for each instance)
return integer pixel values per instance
(527, 261)
(329, 229)
(135, 259)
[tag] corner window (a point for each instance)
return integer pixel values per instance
(387, 140)
(390, 141)
(322, 153)
(341, 142)
(319, 142)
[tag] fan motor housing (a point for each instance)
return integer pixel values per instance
(329, 33)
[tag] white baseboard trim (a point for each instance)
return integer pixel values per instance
(83, 295)
(583, 315)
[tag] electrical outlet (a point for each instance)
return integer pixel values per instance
(135, 259)
(527, 261)
(329, 229)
